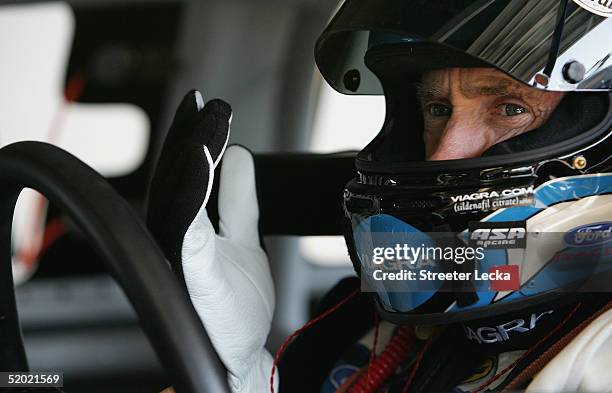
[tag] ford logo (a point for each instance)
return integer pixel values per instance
(589, 235)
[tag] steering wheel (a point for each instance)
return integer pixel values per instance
(128, 251)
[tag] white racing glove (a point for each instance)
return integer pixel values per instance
(226, 273)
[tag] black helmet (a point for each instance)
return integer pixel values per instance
(539, 203)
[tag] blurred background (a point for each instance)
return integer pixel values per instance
(101, 79)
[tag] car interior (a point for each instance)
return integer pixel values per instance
(101, 79)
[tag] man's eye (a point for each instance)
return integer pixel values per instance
(439, 110)
(512, 110)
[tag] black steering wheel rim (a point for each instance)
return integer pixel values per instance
(128, 251)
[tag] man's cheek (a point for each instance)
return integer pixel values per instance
(431, 136)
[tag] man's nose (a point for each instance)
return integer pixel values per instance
(463, 137)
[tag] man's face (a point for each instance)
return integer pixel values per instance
(468, 110)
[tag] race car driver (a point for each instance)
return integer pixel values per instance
(479, 103)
